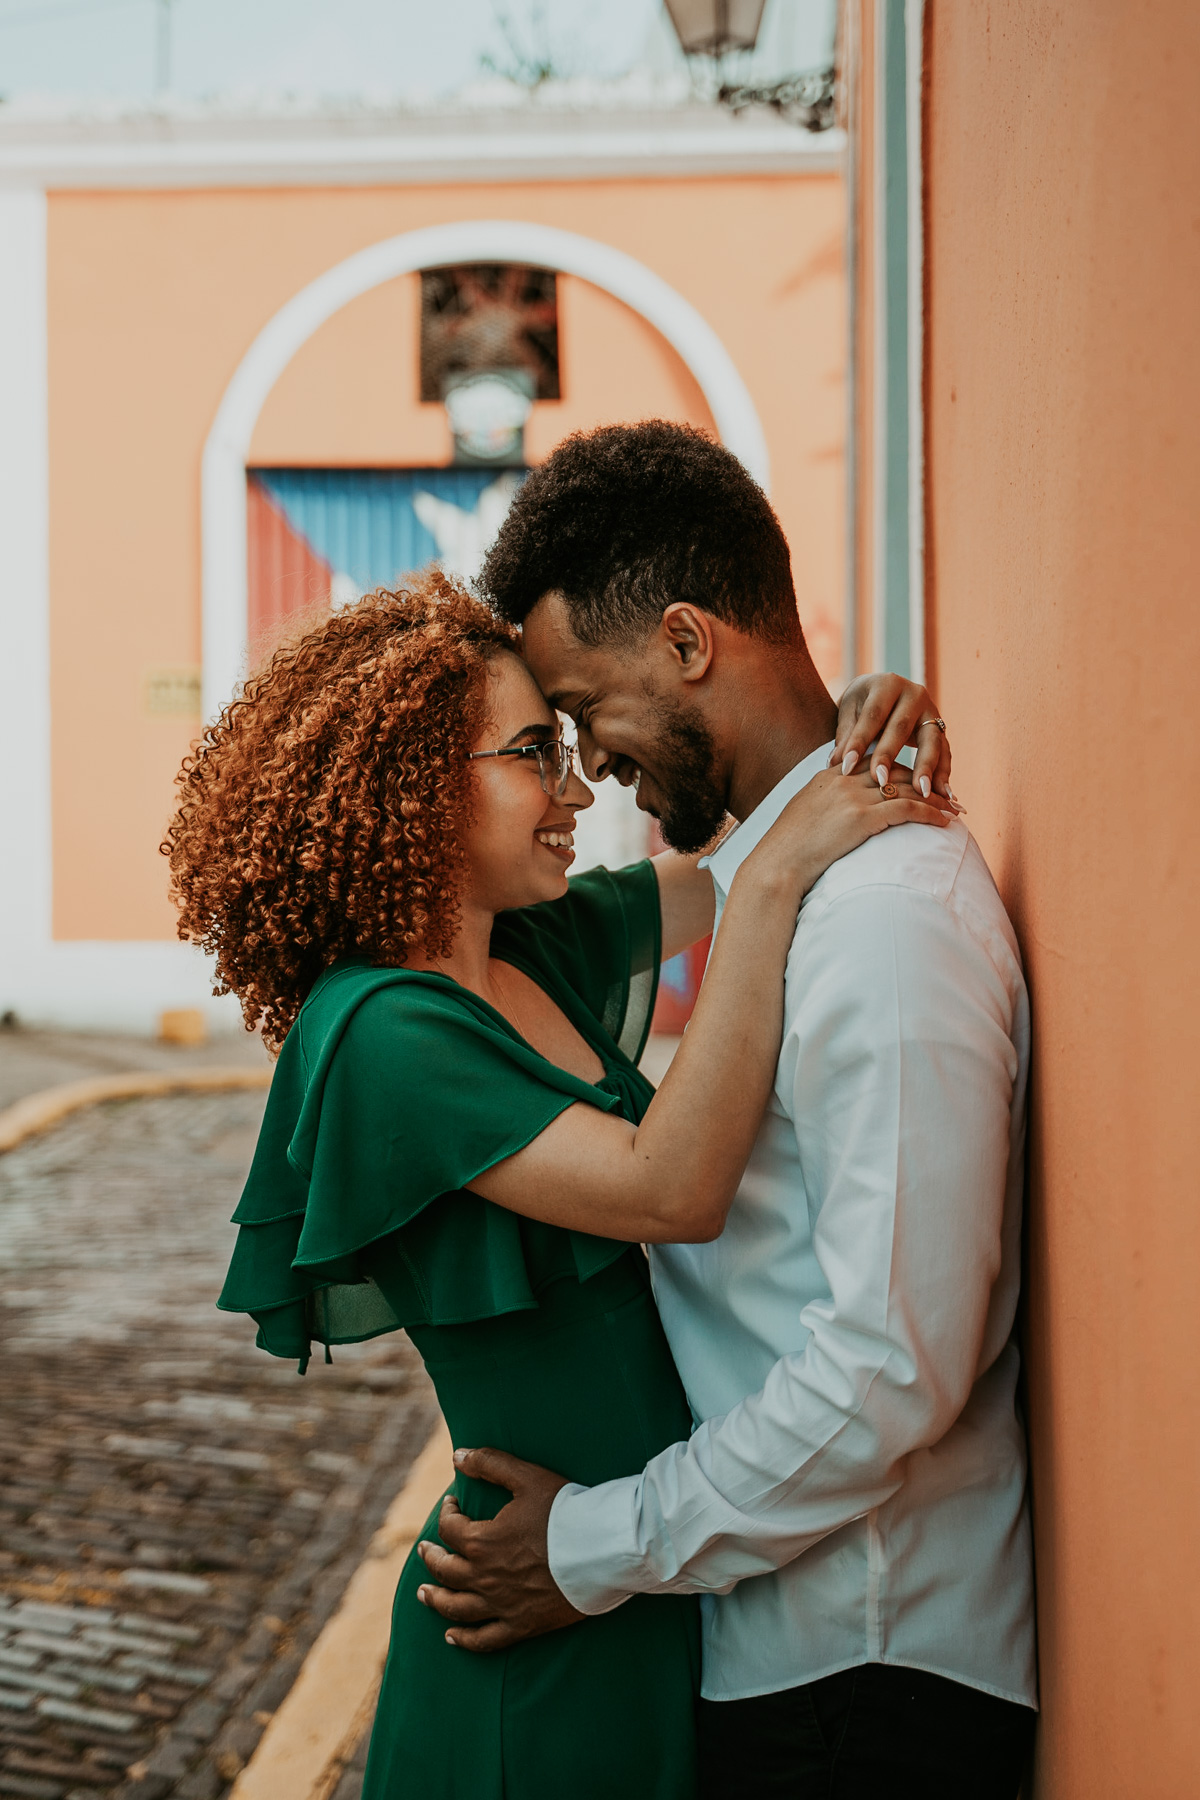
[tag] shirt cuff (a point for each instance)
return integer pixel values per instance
(588, 1544)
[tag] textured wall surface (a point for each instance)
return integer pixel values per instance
(1064, 393)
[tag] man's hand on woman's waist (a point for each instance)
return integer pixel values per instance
(492, 1584)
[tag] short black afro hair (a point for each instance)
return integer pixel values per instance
(625, 520)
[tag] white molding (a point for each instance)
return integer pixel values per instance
(223, 530)
(914, 23)
(171, 156)
(25, 895)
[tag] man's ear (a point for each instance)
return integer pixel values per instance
(689, 639)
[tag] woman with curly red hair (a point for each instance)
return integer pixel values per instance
(373, 842)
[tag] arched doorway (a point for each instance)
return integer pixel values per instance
(224, 542)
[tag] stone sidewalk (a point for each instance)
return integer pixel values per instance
(179, 1514)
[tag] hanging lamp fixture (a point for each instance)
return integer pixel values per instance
(716, 29)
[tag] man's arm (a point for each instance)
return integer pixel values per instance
(897, 1069)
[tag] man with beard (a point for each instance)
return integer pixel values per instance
(851, 1505)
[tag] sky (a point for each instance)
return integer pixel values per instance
(372, 50)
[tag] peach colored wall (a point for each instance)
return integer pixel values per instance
(153, 300)
(1064, 246)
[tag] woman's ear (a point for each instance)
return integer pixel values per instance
(689, 637)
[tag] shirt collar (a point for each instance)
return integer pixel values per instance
(733, 850)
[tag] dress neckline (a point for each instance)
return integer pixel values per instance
(615, 1063)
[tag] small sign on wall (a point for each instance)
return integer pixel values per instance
(173, 693)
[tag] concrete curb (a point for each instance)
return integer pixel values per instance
(317, 1729)
(38, 1112)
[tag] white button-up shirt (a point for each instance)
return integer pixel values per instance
(854, 1490)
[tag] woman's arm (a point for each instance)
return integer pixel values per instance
(671, 1178)
(887, 708)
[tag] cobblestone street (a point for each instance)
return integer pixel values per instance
(179, 1513)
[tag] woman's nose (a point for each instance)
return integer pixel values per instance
(577, 793)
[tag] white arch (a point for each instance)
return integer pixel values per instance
(223, 479)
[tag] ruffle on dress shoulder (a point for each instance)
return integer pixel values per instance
(392, 1091)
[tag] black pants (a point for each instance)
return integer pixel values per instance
(872, 1733)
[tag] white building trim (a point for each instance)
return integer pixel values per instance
(24, 588)
(223, 529)
(164, 152)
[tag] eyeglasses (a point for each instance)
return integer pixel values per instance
(555, 761)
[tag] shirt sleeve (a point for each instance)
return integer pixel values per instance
(897, 1071)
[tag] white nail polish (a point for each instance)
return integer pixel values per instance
(848, 761)
(881, 774)
(923, 784)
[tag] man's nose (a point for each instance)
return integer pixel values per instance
(595, 762)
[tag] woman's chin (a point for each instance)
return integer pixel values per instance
(547, 883)
(554, 883)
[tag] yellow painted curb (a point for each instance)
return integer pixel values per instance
(302, 1752)
(38, 1112)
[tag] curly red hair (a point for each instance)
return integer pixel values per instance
(322, 815)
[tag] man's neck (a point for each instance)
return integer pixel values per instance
(787, 715)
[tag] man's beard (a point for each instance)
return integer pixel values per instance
(685, 757)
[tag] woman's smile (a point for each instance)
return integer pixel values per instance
(559, 840)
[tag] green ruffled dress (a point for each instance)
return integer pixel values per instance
(392, 1090)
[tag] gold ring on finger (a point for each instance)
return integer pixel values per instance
(940, 723)
(889, 790)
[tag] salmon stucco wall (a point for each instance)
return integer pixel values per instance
(1063, 238)
(153, 299)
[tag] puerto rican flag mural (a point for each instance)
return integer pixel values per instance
(322, 537)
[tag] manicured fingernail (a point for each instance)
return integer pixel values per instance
(881, 774)
(950, 795)
(460, 1457)
(423, 1595)
(848, 761)
(451, 1639)
(923, 784)
(423, 1546)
